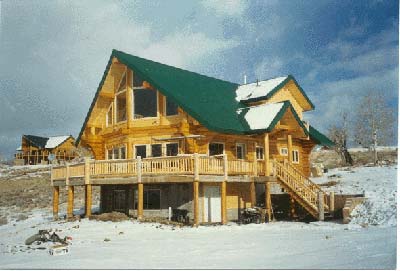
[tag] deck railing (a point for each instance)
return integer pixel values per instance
(184, 165)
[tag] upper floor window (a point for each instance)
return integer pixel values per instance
(121, 106)
(145, 103)
(122, 84)
(295, 156)
(240, 151)
(260, 153)
(109, 116)
(140, 150)
(172, 149)
(283, 151)
(215, 148)
(156, 150)
(171, 108)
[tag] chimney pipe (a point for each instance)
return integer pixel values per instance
(245, 79)
(257, 82)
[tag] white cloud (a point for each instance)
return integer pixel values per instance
(226, 7)
(269, 68)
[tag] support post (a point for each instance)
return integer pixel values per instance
(196, 190)
(129, 96)
(56, 200)
(88, 200)
(332, 202)
(268, 201)
(292, 208)
(255, 164)
(266, 155)
(87, 170)
(290, 147)
(223, 191)
(140, 188)
(70, 207)
(320, 206)
(253, 193)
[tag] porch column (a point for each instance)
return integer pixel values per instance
(56, 200)
(88, 200)
(196, 191)
(289, 147)
(140, 189)
(268, 200)
(253, 193)
(223, 191)
(266, 154)
(129, 96)
(70, 207)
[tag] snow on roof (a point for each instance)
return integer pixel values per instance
(250, 91)
(261, 116)
(19, 148)
(54, 141)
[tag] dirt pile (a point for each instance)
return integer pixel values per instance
(114, 217)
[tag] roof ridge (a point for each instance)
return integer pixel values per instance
(265, 80)
(170, 66)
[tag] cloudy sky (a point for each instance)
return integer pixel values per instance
(53, 53)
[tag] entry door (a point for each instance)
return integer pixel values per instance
(212, 204)
(119, 203)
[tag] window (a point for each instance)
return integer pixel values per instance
(121, 106)
(215, 148)
(137, 81)
(109, 116)
(122, 84)
(109, 154)
(172, 149)
(151, 199)
(284, 151)
(140, 151)
(122, 153)
(240, 151)
(171, 108)
(295, 156)
(260, 153)
(156, 150)
(145, 103)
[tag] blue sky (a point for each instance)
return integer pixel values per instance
(53, 53)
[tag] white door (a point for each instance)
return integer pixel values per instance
(212, 204)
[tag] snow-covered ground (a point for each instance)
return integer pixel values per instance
(278, 245)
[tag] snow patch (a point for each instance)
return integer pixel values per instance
(54, 141)
(260, 89)
(261, 116)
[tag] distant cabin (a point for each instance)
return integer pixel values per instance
(163, 137)
(36, 150)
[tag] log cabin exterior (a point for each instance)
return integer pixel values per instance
(163, 137)
(36, 149)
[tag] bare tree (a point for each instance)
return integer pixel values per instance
(374, 122)
(339, 135)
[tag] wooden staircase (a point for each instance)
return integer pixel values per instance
(301, 188)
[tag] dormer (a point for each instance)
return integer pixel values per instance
(275, 90)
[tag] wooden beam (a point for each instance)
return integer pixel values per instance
(223, 203)
(70, 207)
(196, 190)
(290, 148)
(106, 94)
(332, 202)
(140, 201)
(253, 194)
(87, 170)
(88, 200)
(129, 98)
(56, 199)
(321, 206)
(266, 155)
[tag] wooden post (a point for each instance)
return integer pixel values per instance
(321, 206)
(87, 170)
(70, 207)
(268, 200)
(129, 98)
(266, 154)
(289, 147)
(196, 190)
(140, 188)
(255, 165)
(292, 208)
(88, 200)
(253, 193)
(223, 191)
(332, 202)
(56, 199)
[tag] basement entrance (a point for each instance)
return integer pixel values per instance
(212, 204)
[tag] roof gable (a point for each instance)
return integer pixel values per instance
(37, 141)
(46, 142)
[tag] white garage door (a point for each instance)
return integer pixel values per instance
(212, 204)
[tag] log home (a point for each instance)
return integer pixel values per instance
(163, 137)
(37, 149)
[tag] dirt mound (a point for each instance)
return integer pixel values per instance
(114, 217)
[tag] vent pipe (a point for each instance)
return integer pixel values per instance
(245, 79)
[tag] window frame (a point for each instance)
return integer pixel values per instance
(145, 193)
(165, 108)
(133, 103)
(138, 145)
(297, 161)
(166, 148)
(151, 149)
(116, 107)
(281, 153)
(216, 142)
(262, 152)
(110, 108)
(243, 145)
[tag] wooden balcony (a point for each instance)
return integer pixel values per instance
(188, 165)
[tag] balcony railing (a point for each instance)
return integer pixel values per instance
(174, 165)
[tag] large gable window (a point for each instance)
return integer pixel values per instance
(171, 108)
(145, 103)
(120, 100)
(109, 116)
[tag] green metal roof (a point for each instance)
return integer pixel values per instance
(209, 100)
(320, 138)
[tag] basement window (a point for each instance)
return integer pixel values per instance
(215, 149)
(121, 106)
(152, 199)
(156, 150)
(145, 103)
(172, 149)
(260, 153)
(171, 108)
